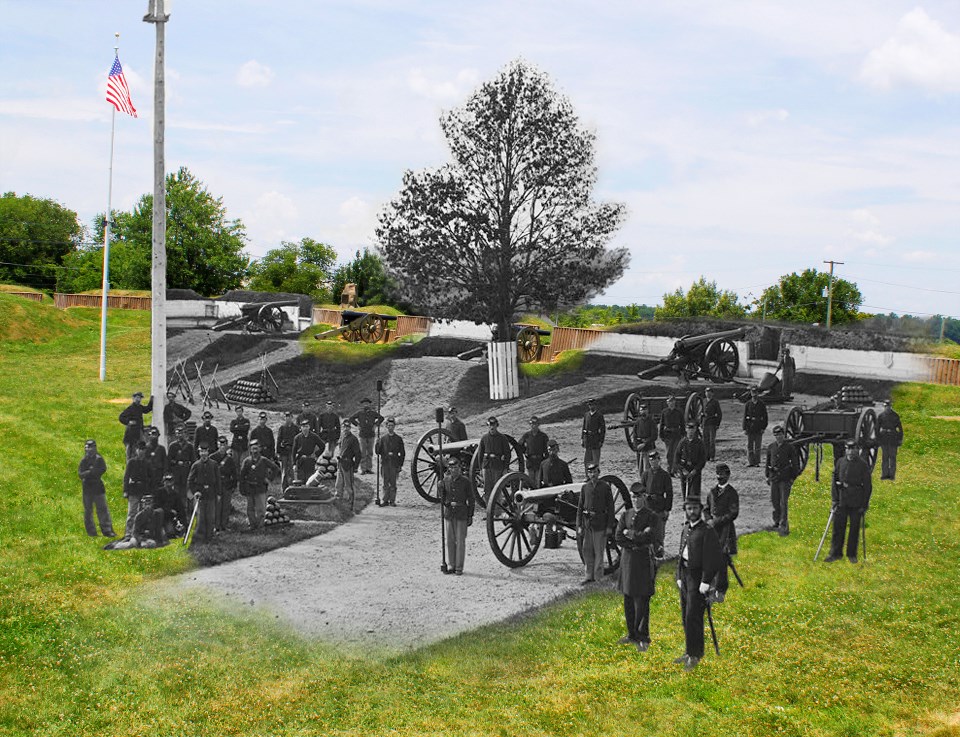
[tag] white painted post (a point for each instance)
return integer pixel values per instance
(503, 370)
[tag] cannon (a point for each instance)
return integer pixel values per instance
(847, 415)
(359, 327)
(692, 404)
(429, 462)
(529, 344)
(712, 356)
(518, 512)
(267, 317)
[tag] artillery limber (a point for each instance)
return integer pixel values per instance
(529, 344)
(692, 404)
(847, 415)
(430, 458)
(267, 317)
(713, 356)
(359, 327)
(518, 514)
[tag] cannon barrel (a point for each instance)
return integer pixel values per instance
(453, 447)
(549, 492)
(691, 340)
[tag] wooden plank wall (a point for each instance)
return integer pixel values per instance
(35, 296)
(62, 301)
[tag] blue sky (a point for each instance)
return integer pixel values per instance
(748, 139)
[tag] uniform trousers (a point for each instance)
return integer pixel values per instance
(256, 508)
(390, 473)
(672, 444)
(779, 498)
(690, 484)
(636, 611)
(344, 483)
(594, 551)
(206, 517)
(710, 441)
(133, 506)
(456, 543)
(888, 464)
(591, 455)
(224, 507)
(491, 474)
(366, 453)
(692, 607)
(98, 501)
(840, 517)
(754, 441)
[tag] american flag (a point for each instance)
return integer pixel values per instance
(118, 94)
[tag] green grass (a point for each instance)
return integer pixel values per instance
(565, 362)
(86, 648)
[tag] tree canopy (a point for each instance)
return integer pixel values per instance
(367, 272)
(702, 299)
(803, 298)
(36, 235)
(300, 268)
(509, 225)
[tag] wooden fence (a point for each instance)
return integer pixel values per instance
(116, 301)
(325, 316)
(945, 371)
(569, 339)
(35, 296)
(411, 325)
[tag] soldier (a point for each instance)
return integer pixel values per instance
(156, 456)
(206, 434)
(554, 470)
(657, 487)
(367, 420)
(671, 430)
(533, 445)
(850, 492)
(494, 452)
(285, 438)
(595, 521)
(226, 458)
(136, 483)
(255, 474)
(132, 419)
(329, 428)
(392, 453)
(754, 423)
(167, 501)
(699, 562)
(91, 470)
(789, 370)
(147, 530)
(180, 457)
(783, 467)
(174, 414)
(646, 438)
(306, 447)
(240, 428)
(309, 415)
(637, 536)
(712, 417)
(723, 508)
(890, 437)
(204, 481)
(348, 462)
(458, 431)
(593, 434)
(457, 507)
(264, 435)
(691, 458)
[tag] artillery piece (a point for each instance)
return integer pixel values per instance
(712, 356)
(430, 462)
(267, 317)
(692, 405)
(359, 327)
(518, 512)
(529, 344)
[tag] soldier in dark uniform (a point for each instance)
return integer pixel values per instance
(91, 470)
(156, 456)
(657, 487)
(595, 521)
(132, 419)
(671, 430)
(309, 415)
(180, 457)
(783, 467)
(554, 470)
(458, 431)
(890, 437)
(240, 428)
(722, 509)
(285, 438)
(367, 419)
(255, 474)
(206, 434)
(226, 458)
(754, 423)
(712, 417)
(533, 445)
(166, 500)
(593, 434)
(204, 480)
(646, 435)
(348, 462)
(457, 507)
(264, 435)
(851, 491)
(147, 530)
(788, 370)
(494, 453)
(691, 458)
(699, 562)
(174, 414)
(637, 536)
(136, 482)
(328, 423)
(392, 453)
(306, 447)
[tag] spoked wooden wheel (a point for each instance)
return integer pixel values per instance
(513, 535)
(428, 465)
(693, 410)
(631, 411)
(721, 360)
(373, 330)
(621, 501)
(476, 472)
(866, 436)
(528, 345)
(793, 429)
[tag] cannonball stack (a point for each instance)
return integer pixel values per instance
(327, 468)
(275, 514)
(853, 395)
(249, 392)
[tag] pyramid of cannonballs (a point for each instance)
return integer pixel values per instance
(275, 514)
(249, 392)
(853, 396)
(327, 467)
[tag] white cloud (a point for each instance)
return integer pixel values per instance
(919, 54)
(444, 90)
(866, 228)
(760, 117)
(254, 74)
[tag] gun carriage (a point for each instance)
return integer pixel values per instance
(529, 344)
(360, 327)
(712, 356)
(267, 317)
(518, 513)
(692, 404)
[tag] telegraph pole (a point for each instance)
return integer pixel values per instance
(158, 312)
(830, 291)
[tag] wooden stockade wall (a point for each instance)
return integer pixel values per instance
(569, 339)
(35, 296)
(411, 325)
(62, 301)
(324, 316)
(945, 371)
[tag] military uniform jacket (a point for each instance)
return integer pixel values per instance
(229, 472)
(391, 451)
(723, 507)
(458, 431)
(457, 498)
(173, 414)
(206, 435)
(350, 453)
(754, 416)
(204, 478)
(367, 421)
(240, 427)
(181, 456)
(691, 455)
(658, 488)
(712, 414)
(328, 427)
(306, 445)
(671, 424)
(594, 430)
(637, 576)
(91, 472)
(704, 558)
(553, 472)
(285, 436)
(148, 524)
(264, 435)
(255, 475)
(595, 506)
(534, 445)
(889, 429)
(783, 462)
(494, 449)
(136, 412)
(137, 479)
(646, 434)
(156, 458)
(852, 483)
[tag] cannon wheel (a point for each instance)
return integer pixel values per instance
(621, 501)
(721, 360)
(631, 411)
(476, 473)
(866, 436)
(513, 538)
(427, 468)
(270, 319)
(693, 409)
(793, 429)
(528, 345)
(373, 329)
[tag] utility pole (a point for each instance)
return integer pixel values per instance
(158, 310)
(830, 291)
(942, 320)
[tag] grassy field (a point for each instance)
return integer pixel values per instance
(87, 648)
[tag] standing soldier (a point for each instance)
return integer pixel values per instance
(494, 453)
(367, 419)
(458, 431)
(206, 434)
(180, 457)
(264, 435)
(306, 447)
(783, 467)
(255, 474)
(348, 462)
(671, 430)
(890, 437)
(754, 423)
(637, 534)
(646, 434)
(712, 417)
(657, 487)
(554, 470)
(156, 456)
(136, 483)
(851, 491)
(699, 562)
(458, 505)
(91, 470)
(132, 419)
(174, 414)
(391, 451)
(789, 369)
(533, 445)
(593, 434)
(204, 480)
(329, 428)
(226, 458)
(285, 437)
(595, 521)
(691, 458)
(723, 507)
(309, 415)
(240, 427)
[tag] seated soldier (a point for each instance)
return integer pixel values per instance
(148, 528)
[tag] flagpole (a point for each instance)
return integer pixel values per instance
(106, 242)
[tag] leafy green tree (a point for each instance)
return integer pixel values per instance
(803, 298)
(36, 235)
(703, 299)
(367, 272)
(301, 268)
(509, 226)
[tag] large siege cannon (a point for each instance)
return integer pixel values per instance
(712, 356)
(359, 327)
(518, 512)
(267, 317)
